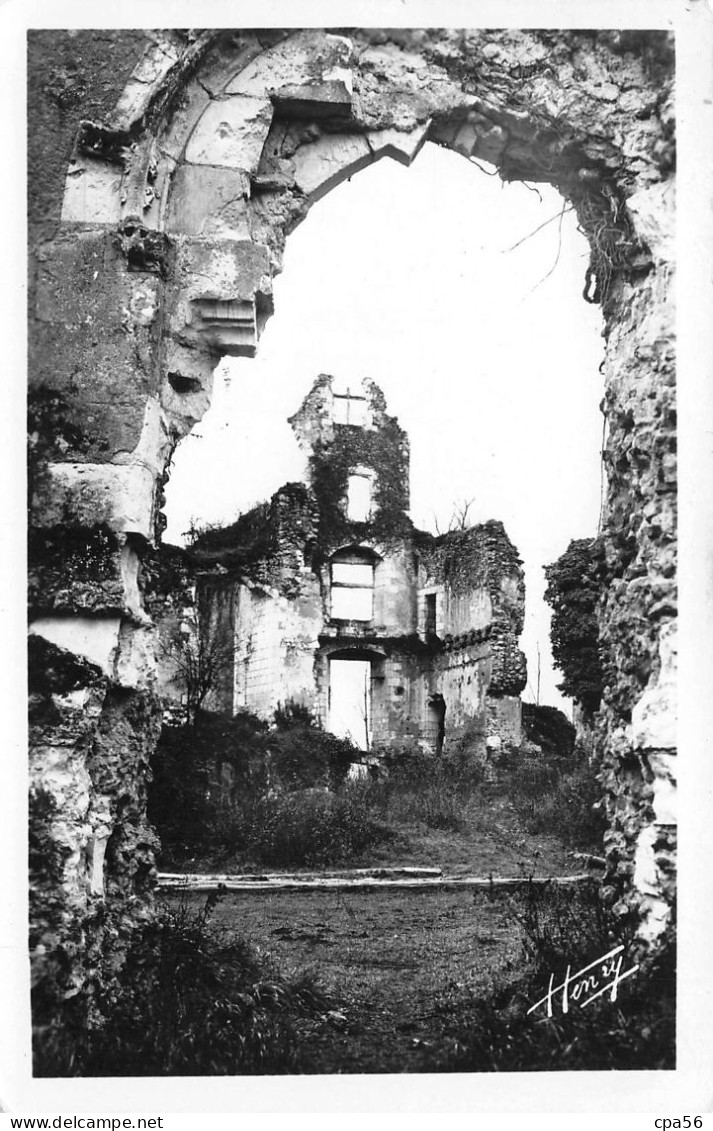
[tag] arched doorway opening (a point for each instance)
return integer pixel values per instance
(178, 207)
(465, 337)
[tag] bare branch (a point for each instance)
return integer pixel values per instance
(557, 216)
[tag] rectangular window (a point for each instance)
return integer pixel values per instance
(430, 624)
(353, 574)
(349, 409)
(352, 590)
(359, 498)
(352, 604)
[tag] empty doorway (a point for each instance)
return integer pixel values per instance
(350, 701)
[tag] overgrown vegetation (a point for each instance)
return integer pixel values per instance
(550, 729)
(573, 592)
(279, 796)
(200, 661)
(187, 1003)
(241, 792)
(561, 928)
(556, 788)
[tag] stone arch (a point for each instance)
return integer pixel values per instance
(175, 213)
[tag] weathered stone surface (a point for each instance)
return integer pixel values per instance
(153, 66)
(221, 270)
(93, 193)
(89, 494)
(76, 571)
(323, 164)
(96, 639)
(98, 317)
(191, 102)
(301, 60)
(206, 201)
(91, 851)
(232, 133)
(401, 146)
(69, 79)
(652, 210)
(653, 718)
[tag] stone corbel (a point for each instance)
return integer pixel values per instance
(228, 325)
(225, 297)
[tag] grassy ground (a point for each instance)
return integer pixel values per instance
(397, 965)
(434, 981)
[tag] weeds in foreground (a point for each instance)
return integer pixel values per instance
(185, 1003)
(564, 927)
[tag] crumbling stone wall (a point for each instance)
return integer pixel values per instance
(477, 578)
(184, 177)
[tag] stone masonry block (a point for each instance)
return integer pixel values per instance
(149, 72)
(232, 133)
(120, 498)
(323, 164)
(94, 638)
(302, 61)
(327, 99)
(84, 281)
(402, 145)
(104, 383)
(223, 288)
(209, 201)
(92, 193)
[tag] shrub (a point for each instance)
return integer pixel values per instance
(549, 728)
(187, 1004)
(416, 786)
(557, 796)
(185, 801)
(303, 756)
(304, 828)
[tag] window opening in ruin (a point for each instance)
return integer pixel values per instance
(349, 408)
(430, 623)
(350, 701)
(359, 498)
(352, 588)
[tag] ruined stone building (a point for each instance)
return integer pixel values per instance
(166, 170)
(332, 600)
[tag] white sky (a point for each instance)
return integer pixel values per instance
(404, 275)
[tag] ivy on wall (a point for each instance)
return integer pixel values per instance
(573, 591)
